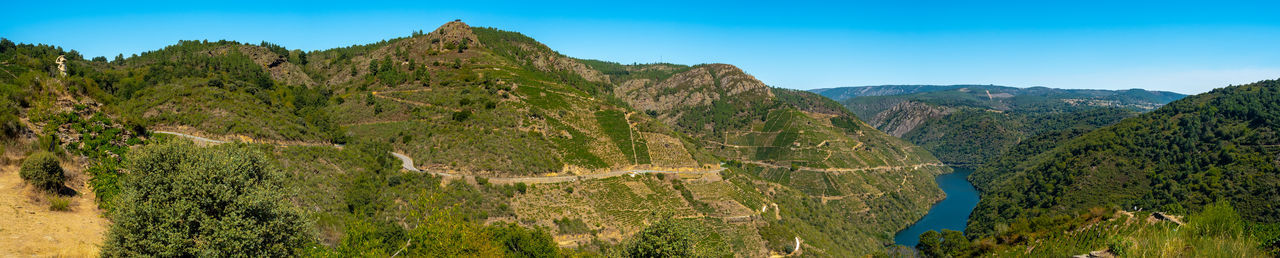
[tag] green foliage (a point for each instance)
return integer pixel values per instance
(42, 170)
(48, 142)
(59, 203)
(1189, 153)
(522, 242)
(1216, 231)
(615, 125)
(232, 71)
(667, 238)
(105, 179)
(930, 244)
(461, 116)
(9, 123)
(1216, 220)
(778, 237)
(954, 244)
(571, 226)
(182, 200)
(575, 147)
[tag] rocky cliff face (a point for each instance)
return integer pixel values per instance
(697, 87)
(906, 116)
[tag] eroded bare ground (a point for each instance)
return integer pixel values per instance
(29, 228)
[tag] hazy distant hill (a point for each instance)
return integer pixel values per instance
(968, 124)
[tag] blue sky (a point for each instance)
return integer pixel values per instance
(1186, 47)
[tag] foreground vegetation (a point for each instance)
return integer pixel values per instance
(1216, 231)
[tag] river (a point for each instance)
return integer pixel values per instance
(951, 213)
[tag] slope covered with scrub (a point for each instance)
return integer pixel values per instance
(747, 169)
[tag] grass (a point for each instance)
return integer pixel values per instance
(59, 203)
(1216, 231)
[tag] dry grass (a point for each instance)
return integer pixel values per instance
(32, 229)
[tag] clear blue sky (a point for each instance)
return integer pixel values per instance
(1186, 47)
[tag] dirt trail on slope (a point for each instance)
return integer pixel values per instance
(29, 228)
(407, 163)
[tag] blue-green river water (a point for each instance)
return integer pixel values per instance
(952, 213)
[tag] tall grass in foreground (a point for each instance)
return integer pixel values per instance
(1217, 231)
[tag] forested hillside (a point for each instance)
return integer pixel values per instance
(1219, 146)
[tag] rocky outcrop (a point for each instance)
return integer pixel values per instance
(452, 36)
(277, 66)
(557, 62)
(696, 87)
(906, 116)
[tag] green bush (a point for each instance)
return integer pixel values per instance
(183, 200)
(667, 238)
(42, 170)
(523, 242)
(59, 204)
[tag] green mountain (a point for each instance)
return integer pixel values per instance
(969, 124)
(516, 143)
(1219, 146)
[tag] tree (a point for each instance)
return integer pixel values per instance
(183, 200)
(6, 45)
(667, 238)
(954, 243)
(43, 171)
(523, 242)
(930, 244)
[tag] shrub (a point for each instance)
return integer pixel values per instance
(9, 125)
(42, 170)
(461, 116)
(667, 238)
(523, 242)
(59, 204)
(522, 187)
(183, 200)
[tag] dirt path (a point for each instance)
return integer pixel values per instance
(379, 94)
(29, 228)
(845, 170)
(407, 163)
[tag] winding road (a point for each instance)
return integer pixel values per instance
(407, 163)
